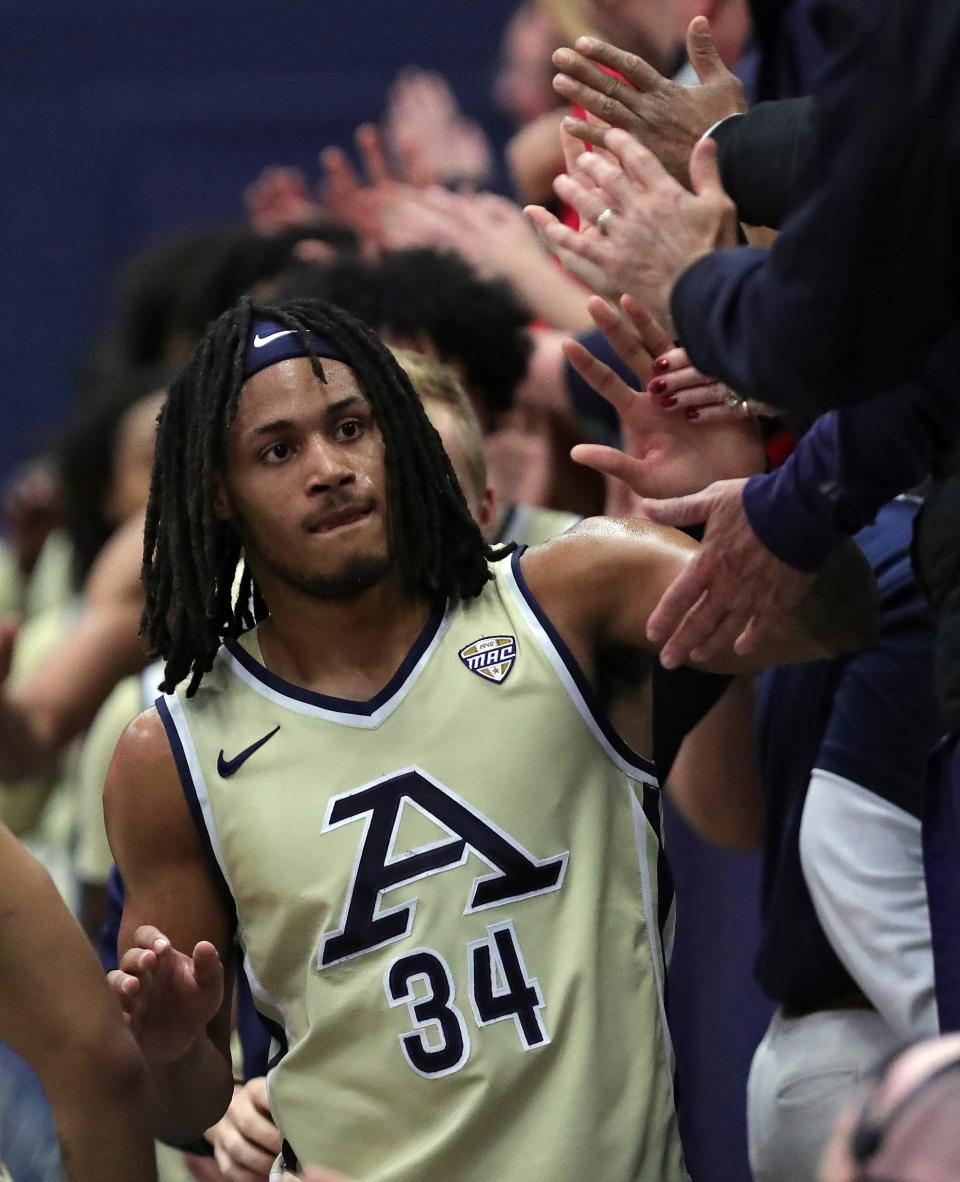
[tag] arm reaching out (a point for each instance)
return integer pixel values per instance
(175, 936)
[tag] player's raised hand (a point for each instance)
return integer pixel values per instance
(168, 997)
(661, 114)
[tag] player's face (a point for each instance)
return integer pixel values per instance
(305, 481)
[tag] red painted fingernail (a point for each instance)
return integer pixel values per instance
(668, 400)
(657, 386)
(661, 365)
(692, 414)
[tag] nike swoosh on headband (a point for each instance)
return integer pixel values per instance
(226, 767)
(259, 341)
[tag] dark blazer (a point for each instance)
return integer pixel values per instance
(863, 279)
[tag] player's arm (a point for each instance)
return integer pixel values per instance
(56, 1011)
(600, 582)
(715, 780)
(175, 936)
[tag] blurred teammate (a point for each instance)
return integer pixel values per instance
(416, 721)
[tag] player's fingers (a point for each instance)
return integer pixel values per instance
(207, 966)
(599, 376)
(588, 203)
(655, 337)
(584, 130)
(674, 381)
(234, 1170)
(138, 960)
(259, 1130)
(671, 359)
(640, 74)
(148, 936)
(245, 1155)
(124, 985)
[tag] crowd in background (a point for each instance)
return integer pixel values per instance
(824, 766)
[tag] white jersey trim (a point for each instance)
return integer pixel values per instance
(534, 620)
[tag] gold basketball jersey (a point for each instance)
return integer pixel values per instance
(450, 899)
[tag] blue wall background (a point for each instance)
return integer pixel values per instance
(122, 121)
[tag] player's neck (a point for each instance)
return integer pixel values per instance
(347, 649)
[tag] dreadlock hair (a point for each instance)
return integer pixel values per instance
(190, 556)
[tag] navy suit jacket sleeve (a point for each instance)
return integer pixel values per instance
(854, 460)
(863, 277)
(761, 154)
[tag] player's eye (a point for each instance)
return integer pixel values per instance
(276, 453)
(349, 429)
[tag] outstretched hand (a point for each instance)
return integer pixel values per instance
(663, 454)
(168, 997)
(664, 116)
(731, 592)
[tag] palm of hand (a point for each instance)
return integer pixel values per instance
(176, 1010)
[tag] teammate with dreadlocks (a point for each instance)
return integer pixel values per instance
(439, 857)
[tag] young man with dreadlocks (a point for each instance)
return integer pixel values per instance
(399, 791)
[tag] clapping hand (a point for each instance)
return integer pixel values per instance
(645, 228)
(664, 116)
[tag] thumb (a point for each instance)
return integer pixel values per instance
(207, 969)
(704, 169)
(703, 53)
(610, 461)
(678, 511)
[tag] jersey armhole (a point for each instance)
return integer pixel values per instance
(195, 794)
(574, 681)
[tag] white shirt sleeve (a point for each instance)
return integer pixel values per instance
(862, 860)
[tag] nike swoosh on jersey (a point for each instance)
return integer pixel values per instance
(226, 767)
(259, 341)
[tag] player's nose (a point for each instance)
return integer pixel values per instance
(328, 466)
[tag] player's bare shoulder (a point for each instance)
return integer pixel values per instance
(142, 794)
(583, 576)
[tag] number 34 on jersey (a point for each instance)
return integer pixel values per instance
(498, 985)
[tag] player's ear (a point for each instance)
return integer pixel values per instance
(486, 512)
(222, 502)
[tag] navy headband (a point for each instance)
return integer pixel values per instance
(271, 342)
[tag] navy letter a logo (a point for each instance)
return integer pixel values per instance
(516, 873)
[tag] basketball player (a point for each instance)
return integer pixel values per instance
(439, 856)
(56, 1012)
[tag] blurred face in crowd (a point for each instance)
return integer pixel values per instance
(133, 459)
(305, 482)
